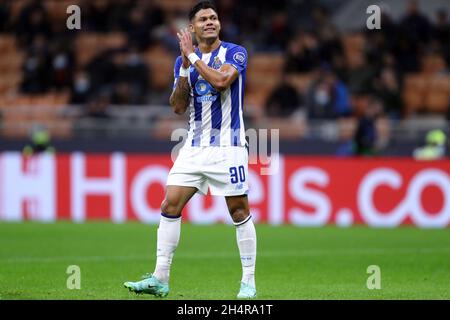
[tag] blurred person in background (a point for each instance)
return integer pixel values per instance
(328, 96)
(137, 27)
(97, 106)
(387, 88)
(360, 74)
(302, 54)
(434, 148)
(40, 143)
(37, 76)
(283, 101)
(5, 14)
(62, 67)
(366, 138)
(441, 32)
(81, 87)
(33, 21)
(415, 25)
(131, 81)
(278, 31)
(415, 31)
(97, 15)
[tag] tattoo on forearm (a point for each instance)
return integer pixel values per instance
(180, 96)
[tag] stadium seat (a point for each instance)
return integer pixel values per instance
(88, 45)
(438, 96)
(160, 61)
(10, 65)
(414, 91)
(263, 75)
(289, 128)
(7, 43)
(21, 112)
(433, 63)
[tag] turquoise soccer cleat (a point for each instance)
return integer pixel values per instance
(246, 292)
(149, 285)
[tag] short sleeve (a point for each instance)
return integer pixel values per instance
(176, 71)
(237, 57)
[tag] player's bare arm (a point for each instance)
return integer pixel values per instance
(220, 79)
(179, 99)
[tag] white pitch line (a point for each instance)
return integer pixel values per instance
(203, 255)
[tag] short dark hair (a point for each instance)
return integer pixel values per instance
(200, 6)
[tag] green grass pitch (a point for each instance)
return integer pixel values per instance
(292, 262)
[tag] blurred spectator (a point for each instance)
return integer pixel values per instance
(442, 28)
(96, 15)
(414, 35)
(250, 24)
(407, 55)
(365, 141)
(97, 106)
(119, 13)
(380, 41)
(5, 14)
(138, 28)
(415, 25)
(387, 88)
(327, 97)
(101, 70)
(62, 67)
(442, 32)
(434, 148)
(40, 143)
(322, 22)
(155, 14)
(33, 20)
(329, 45)
(131, 81)
(229, 28)
(37, 68)
(167, 33)
(278, 32)
(283, 100)
(81, 88)
(360, 74)
(302, 54)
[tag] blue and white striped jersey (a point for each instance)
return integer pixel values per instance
(216, 118)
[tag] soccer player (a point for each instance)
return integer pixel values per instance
(209, 80)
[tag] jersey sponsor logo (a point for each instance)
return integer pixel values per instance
(239, 57)
(202, 87)
(205, 91)
(206, 98)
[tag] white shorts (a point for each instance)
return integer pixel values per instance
(223, 169)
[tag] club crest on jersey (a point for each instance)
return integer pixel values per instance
(216, 63)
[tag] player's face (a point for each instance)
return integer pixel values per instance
(206, 24)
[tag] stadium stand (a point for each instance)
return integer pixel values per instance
(354, 56)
